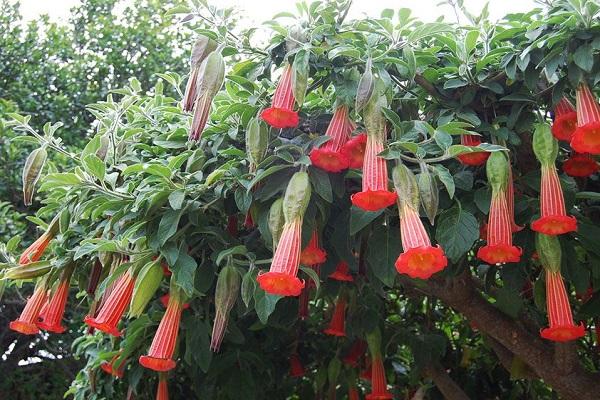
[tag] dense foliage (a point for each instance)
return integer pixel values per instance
(140, 195)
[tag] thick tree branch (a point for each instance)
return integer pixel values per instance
(445, 383)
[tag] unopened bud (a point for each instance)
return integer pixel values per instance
(32, 172)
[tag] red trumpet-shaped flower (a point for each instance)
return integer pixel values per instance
(162, 393)
(114, 367)
(281, 278)
(26, 323)
(565, 120)
(355, 353)
(164, 300)
(354, 150)
(296, 367)
(36, 249)
(375, 194)
(499, 248)
(312, 253)
(378, 381)
(562, 328)
(473, 159)
(337, 326)
(353, 393)
(114, 306)
(330, 157)
(554, 219)
(367, 372)
(160, 355)
(341, 272)
(52, 315)
(303, 303)
(281, 114)
(510, 201)
(580, 165)
(586, 138)
(420, 259)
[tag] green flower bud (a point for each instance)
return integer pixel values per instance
(365, 89)
(226, 292)
(497, 171)
(333, 371)
(257, 142)
(406, 186)
(212, 75)
(374, 118)
(146, 284)
(276, 221)
(548, 249)
(545, 146)
(374, 341)
(297, 197)
(29, 271)
(202, 48)
(300, 70)
(428, 193)
(32, 172)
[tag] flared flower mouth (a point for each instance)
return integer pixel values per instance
(421, 262)
(54, 328)
(334, 332)
(26, 328)
(373, 200)
(328, 160)
(102, 326)
(354, 151)
(379, 396)
(499, 254)
(280, 283)
(586, 138)
(312, 256)
(563, 333)
(108, 367)
(157, 364)
(580, 166)
(564, 125)
(280, 117)
(474, 159)
(341, 273)
(555, 224)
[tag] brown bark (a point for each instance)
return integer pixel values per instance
(445, 383)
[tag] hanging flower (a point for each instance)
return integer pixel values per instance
(37, 248)
(565, 120)
(281, 114)
(357, 350)
(162, 393)
(354, 150)
(282, 277)
(52, 315)
(378, 380)
(353, 393)
(26, 323)
(499, 248)
(375, 194)
(580, 165)
(476, 158)
(114, 367)
(419, 258)
(341, 272)
(312, 253)
(554, 219)
(160, 355)
(303, 303)
(202, 48)
(510, 201)
(114, 306)
(226, 293)
(337, 326)
(296, 367)
(330, 157)
(586, 138)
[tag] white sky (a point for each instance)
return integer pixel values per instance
(261, 10)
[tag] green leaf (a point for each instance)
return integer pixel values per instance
(95, 166)
(360, 218)
(184, 271)
(427, 30)
(176, 199)
(583, 57)
(446, 178)
(509, 301)
(457, 231)
(313, 275)
(321, 183)
(237, 250)
(264, 304)
(168, 225)
(384, 248)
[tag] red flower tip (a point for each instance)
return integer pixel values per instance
(34, 252)
(341, 272)
(555, 224)
(421, 262)
(373, 200)
(51, 317)
(563, 333)
(280, 117)
(328, 160)
(564, 125)
(580, 165)
(473, 159)
(109, 367)
(296, 367)
(337, 326)
(378, 382)
(26, 328)
(280, 283)
(354, 150)
(586, 139)
(312, 253)
(102, 326)
(499, 254)
(562, 328)
(26, 323)
(157, 364)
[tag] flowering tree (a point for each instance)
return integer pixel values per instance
(361, 207)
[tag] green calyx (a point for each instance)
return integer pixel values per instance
(545, 146)
(428, 192)
(257, 141)
(548, 248)
(32, 172)
(374, 118)
(146, 285)
(276, 221)
(497, 171)
(212, 75)
(374, 341)
(202, 48)
(226, 292)
(297, 197)
(406, 186)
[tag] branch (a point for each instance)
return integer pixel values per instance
(445, 383)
